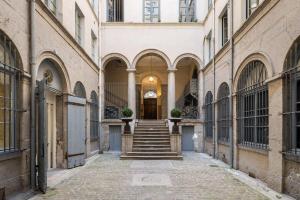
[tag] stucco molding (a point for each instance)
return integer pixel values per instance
(197, 60)
(152, 52)
(261, 56)
(60, 67)
(109, 57)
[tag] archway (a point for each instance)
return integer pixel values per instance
(186, 85)
(56, 84)
(115, 87)
(151, 87)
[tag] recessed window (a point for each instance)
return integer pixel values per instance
(187, 11)
(291, 99)
(208, 120)
(251, 6)
(224, 19)
(51, 4)
(93, 45)
(253, 106)
(9, 95)
(223, 119)
(79, 25)
(151, 11)
(115, 11)
(209, 45)
(209, 4)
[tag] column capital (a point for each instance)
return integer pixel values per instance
(131, 70)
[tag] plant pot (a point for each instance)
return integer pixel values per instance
(175, 129)
(127, 129)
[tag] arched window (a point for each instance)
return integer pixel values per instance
(79, 90)
(291, 99)
(252, 106)
(223, 118)
(10, 64)
(208, 121)
(94, 116)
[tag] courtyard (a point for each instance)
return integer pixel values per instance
(198, 176)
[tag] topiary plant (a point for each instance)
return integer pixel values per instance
(175, 113)
(127, 112)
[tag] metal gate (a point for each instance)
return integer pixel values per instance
(115, 138)
(76, 131)
(187, 138)
(42, 136)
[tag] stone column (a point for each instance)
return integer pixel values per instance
(171, 90)
(275, 175)
(131, 91)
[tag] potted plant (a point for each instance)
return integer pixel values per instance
(175, 118)
(127, 117)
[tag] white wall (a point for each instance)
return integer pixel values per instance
(172, 40)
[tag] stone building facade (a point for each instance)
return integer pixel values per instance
(42, 36)
(230, 66)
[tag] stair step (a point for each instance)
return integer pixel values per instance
(151, 149)
(151, 142)
(155, 137)
(148, 135)
(152, 157)
(151, 145)
(152, 153)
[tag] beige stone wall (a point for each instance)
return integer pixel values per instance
(252, 162)
(291, 179)
(223, 152)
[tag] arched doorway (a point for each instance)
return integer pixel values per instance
(49, 71)
(151, 98)
(151, 87)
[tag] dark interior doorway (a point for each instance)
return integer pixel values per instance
(150, 108)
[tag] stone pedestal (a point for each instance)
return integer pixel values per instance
(175, 140)
(127, 142)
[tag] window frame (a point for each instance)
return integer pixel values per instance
(194, 16)
(252, 106)
(225, 27)
(208, 115)
(114, 17)
(223, 118)
(10, 71)
(249, 10)
(151, 18)
(79, 26)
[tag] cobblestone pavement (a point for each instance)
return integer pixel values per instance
(194, 178)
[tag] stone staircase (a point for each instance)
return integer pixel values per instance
(151, 140)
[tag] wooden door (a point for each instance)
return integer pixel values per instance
(150, 108)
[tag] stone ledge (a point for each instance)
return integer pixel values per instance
(259, 151)
(292, 157)
(10, 155)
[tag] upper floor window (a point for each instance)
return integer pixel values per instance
(79, 24)
(209, 44)
(209, 4)
(251, 6)
(224, 19)
(151, 11)
(187, 11)
(93, 45)
(51, 4)
(115, 11)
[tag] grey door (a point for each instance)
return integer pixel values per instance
(187, 138)
(115, 138)
(42, 136)
(76, 131)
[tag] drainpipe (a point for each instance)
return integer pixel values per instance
(214, 68)
(231, 85)
(33, 86)
(99, 77)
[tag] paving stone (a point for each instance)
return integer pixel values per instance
(194, 178)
